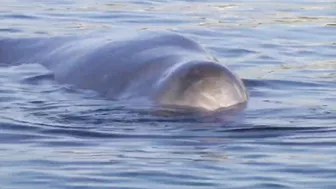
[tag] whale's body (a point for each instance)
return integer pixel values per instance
(165, 68)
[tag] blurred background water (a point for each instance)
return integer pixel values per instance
(54, 136)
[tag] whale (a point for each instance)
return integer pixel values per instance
(161, 68)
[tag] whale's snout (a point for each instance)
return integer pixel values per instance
(200, 84)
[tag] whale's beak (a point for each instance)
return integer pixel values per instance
(202, 84)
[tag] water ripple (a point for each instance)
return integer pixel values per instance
(56, 136)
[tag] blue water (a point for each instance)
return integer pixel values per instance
(56, 136)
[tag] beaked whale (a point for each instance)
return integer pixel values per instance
(165, 68)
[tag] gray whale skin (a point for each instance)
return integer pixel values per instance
(165, 68)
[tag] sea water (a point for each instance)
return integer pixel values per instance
(56, 136)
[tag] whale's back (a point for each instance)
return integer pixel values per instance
(167, 68)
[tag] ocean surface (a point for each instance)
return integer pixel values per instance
(56, 136)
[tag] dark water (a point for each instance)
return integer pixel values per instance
(55, 136)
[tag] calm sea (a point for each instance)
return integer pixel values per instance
(54, 136)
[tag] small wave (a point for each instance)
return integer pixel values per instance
(38, 78)
(265, 128)
(19, 16)
(10, 30)
(273, 83)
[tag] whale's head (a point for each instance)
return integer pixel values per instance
(200, 84)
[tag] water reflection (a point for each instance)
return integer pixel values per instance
(58, 137)
(91, 15)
